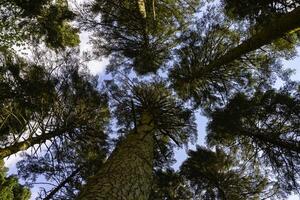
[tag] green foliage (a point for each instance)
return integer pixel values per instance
(54, 104)
(258, 9)
(58, 33)
(173, 122)
(193, 78)
(171, 118)
(264, 129)
(10, 189)
(26, 91)
(133, 41)
(30, 21)
(169, 185)
(215, 175)
(81, 112)
(57, 100)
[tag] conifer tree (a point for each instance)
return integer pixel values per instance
(31, 21)
(156, 117)
(215, 175)
(225, 60)
(137, 34)
(10, 189)
(263, 128)
(39, 105)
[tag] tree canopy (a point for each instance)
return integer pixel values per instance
(114, 137)
(10, 188)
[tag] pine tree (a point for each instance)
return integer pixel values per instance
(36, 100)
(128, 172)
(137, 34)
(264, 128)
(258, 10)
(10, 189)
(215, 175)
(31, 21)
(214, 61)
(225, 63)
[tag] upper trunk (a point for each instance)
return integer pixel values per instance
(142, 8)
(277, 29)
(127, 173)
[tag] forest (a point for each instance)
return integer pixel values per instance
(114, 136)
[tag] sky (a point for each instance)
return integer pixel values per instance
(98, 68)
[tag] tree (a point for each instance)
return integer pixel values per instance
(226, 65)
(192, 74)
(170, 185)
(128, 172)
(215, 175)
(30, 21)
(26, 91)
(39, 105)
(66, 163)
(257, 10)
(10, 189)
(137, 34)
(264, 128)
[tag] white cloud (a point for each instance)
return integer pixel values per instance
(11, 161)
(96, 67)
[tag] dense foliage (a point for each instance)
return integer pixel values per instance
(10, 189)
(84, 137)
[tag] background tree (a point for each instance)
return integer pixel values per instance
(170, 185)
(66, 163)
(65, 103)
(264, 129)
(215, 175)
(213, 36)
(134, 41)
(257, 10)
(30, 21)
(10, 189)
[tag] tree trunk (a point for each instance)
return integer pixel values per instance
(142, 8)
(127, 173)
(24, 145)
(275, 30)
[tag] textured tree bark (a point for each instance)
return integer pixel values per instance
(142, 8)
(127, 174)
(266, 35)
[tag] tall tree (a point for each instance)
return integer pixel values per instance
(215, 175)
(10, 189)
(264, 129)
(210, 62)
(170, 185)
(213, 36)
(257, 10)
(65, 163)
(137, 34)
(30, 21)
(39, 105)
(156, 116)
